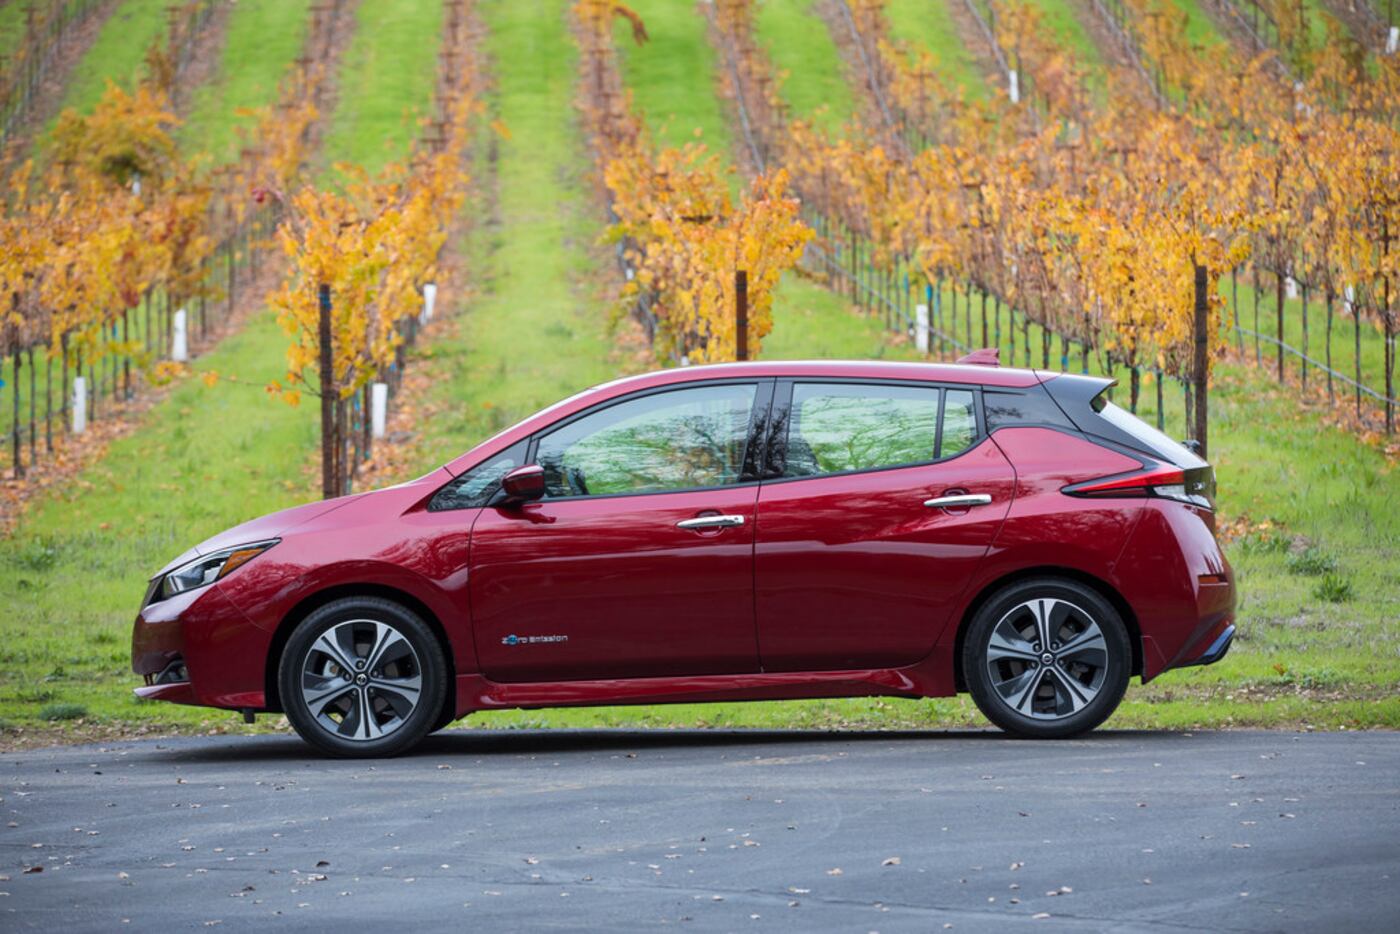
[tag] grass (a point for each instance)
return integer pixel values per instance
(672, 77)
(1069, 32)
(12, 25)
(117, 54)
(1201, 30)
(261, 41)
(386, 82)
(801, 49)
(13, 21)
(930, 26)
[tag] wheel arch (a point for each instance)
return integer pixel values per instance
(312, 602)
(1102, 587)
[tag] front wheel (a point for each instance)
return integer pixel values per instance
(1047, 658)
(362, 677)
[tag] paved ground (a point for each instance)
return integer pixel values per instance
(712, 831)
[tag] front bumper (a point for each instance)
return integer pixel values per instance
(198, 648)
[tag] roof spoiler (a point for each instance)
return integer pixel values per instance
(987, 356)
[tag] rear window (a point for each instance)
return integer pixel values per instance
(1148, 438)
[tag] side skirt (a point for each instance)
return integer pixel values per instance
(476, 692)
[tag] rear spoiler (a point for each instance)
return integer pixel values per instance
(987, 356)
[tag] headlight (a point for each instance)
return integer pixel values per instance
(206, 569)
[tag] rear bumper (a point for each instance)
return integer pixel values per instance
(1216, 650)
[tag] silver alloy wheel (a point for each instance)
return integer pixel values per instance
(361, 680)
(1047, 659)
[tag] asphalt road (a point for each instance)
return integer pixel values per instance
(733, 831)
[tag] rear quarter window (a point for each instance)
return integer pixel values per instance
(1147, 438)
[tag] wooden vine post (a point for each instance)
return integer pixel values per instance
(1200, 371)
(741, 314)
(329, 475)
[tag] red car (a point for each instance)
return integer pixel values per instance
(738, 532)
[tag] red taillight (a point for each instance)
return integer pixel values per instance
(1143, 483)
(1195, 487)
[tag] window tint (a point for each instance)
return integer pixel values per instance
(677, 440)
(476, 487)
(834, 427)
(959, 422)
(1032, 406)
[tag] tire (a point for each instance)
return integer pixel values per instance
(1037, 691)
(350, 703)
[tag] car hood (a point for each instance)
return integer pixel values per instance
(272, 525)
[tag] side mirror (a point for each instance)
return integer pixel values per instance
(523, 484)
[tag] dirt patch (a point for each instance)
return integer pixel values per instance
(205, 59)
(1127, 72)
(975, 41)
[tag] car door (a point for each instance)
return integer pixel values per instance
(884, 498)
(638, 562)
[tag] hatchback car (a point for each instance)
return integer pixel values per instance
(734, 532)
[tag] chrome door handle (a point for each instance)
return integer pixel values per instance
(961, 499)
(710, 522)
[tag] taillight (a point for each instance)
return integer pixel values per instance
(1185, 486)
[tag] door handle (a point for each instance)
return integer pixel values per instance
(710, 522)
(959, 500)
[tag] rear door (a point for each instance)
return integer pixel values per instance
(883, 500)
(638, 562)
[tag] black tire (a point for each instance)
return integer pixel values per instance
(311, 666)
(1032, 690)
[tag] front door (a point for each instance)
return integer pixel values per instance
(638, 562)
(857, 563)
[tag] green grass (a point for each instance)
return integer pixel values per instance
(386, 82)
(1069, 32)
(672, 77)
(1201, 30)
(930, 26)
(12, 24)
(118, 53)
(801, 49)
(262, 39)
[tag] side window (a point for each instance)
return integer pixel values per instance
(476, 487)
(959, 422)
(676, 440)
(838, 427)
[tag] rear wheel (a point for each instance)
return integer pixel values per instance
(362, 677)
(1047, 658)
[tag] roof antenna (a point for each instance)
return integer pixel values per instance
(987, 356)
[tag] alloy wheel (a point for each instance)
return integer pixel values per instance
(1047, 659)
(361, 680)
